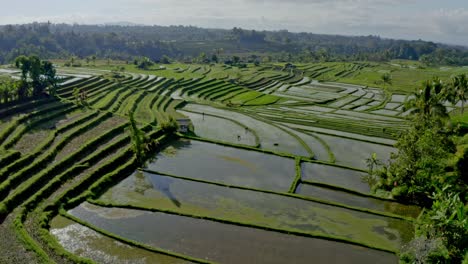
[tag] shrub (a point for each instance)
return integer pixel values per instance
(145, 64)
(424, 250)
(442, 232)
(170, 126)
(447, 219)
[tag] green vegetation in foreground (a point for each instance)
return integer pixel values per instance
(430, 169)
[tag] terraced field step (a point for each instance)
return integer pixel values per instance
(16, 186)
(272, 239)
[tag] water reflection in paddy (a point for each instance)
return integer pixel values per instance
(358, 201)
(222, 242)
(87, 243)
(159, 192)
(211, 162)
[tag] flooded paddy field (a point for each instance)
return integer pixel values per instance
(233, 166)
(151, 191)
(223, 243)
(271, 170)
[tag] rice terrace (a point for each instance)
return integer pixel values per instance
(273, 163)
(197, 141)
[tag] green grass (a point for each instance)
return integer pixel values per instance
(263, 100)
(405, 78)
(460, 118)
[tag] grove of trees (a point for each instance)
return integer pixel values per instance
(37, 77)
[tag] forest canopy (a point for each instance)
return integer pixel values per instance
(53, 41)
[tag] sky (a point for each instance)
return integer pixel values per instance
(434, 20)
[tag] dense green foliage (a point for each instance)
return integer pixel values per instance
(419, 166)
(141, 143)
(36, 76)
(428, 170)
(187, 43)
(459, 90)
(170, 125)
(8, 90)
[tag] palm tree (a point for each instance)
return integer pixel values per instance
(459, 88)
(138, 139)
(429, 101)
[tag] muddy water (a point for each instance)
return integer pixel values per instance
(358, 201)
(211, 162)
(87, 243)
(160, 192)
(224, 243)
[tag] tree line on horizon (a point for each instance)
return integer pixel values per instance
(186, 43)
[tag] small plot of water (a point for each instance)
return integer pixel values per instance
(368, 116)
(302, 90)
(87, 243)
(263, 209)
(392, 106)
(318, 148)
(386, 112)
(211, 162)
(374, 103)
(271, 137)
(354, 153)
(342, 133)
(399, 98)
(357, 201)
(223, 243)
(220, 129)
(363, 108)
(317, 96)
(328, 88)
(362, 101)
(344, 101)
(316, 108)
(349, 179)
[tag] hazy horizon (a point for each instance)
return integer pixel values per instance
(428, 20)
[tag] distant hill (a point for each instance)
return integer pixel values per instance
(124, 40)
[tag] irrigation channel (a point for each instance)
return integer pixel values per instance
(271, 172)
